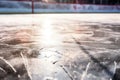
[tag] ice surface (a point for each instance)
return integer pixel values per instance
(59, 46)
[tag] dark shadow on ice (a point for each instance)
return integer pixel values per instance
(6, 72)
(117, 74)
(105, 68)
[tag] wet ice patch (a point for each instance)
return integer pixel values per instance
(49, 55)
(49, 78)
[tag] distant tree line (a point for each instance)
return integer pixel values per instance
(111, 2)
(104, 2)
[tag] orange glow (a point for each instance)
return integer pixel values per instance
(24, 35)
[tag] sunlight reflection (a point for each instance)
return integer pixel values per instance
(47, 36)
(47, 33)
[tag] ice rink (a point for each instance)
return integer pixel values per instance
(59, 46)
